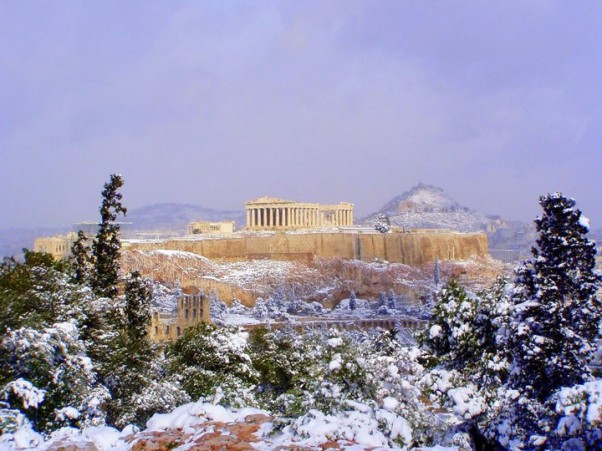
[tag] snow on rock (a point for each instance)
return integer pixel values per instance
(353, 429)
(92, 437)
(239, 320)
(179, 254)
(192, 414)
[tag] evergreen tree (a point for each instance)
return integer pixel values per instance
(391, 300)
(137, 308)
(80, 258)
(35, 292)
(352, 301)
(129, 370)
(106, 246)
(554, 322)
(382, 223)
(557, 312)
(382, 300)
(436, 274)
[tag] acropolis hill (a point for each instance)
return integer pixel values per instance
(310, 249)
(278, 229)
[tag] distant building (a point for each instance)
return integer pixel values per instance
(192, 309)
(203, 227)
(58, 246)
(272, 213)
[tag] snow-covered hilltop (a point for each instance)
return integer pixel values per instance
(426, 206)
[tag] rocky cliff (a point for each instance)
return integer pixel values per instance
(408, 248)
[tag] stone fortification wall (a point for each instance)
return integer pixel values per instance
(408, 248)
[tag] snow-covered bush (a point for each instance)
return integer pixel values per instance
(580, 410)
(17, 431)
(452, 336)
(49, 378)
(206, 357)
(382, 222)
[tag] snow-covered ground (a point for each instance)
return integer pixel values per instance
(187, 426)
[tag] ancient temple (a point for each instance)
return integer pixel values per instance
(273, 213)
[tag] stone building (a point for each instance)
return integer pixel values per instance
(272, 213)
(58, 246)
(212, 228)
(190, 311)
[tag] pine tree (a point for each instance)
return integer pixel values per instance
(106, 246)
(81, 259)
(557, 311)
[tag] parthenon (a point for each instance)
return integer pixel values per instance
(273, 213)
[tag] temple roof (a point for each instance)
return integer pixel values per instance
(270, 200)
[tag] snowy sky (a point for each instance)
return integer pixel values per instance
(218, 102)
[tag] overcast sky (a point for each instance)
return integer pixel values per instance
(218, 102)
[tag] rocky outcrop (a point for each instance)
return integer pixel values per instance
(407, 248)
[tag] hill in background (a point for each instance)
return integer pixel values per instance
(426, 206)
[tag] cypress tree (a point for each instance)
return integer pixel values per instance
(352, 301)
(556, 311)
(137, 308)
(391, 300)
(106, 246)
(80, 258)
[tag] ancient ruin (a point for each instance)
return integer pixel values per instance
(272, 213)
(191, 310)
(58, 246)
(211, 228)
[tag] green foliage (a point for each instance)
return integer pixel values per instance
(451, 335)
(106, 247)
(81, 259)
(466, 330)
(352, 301)
(207, 356)
(557, 309)
(551, 332)
(45, 371)
(137, 308)
(36, 292)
